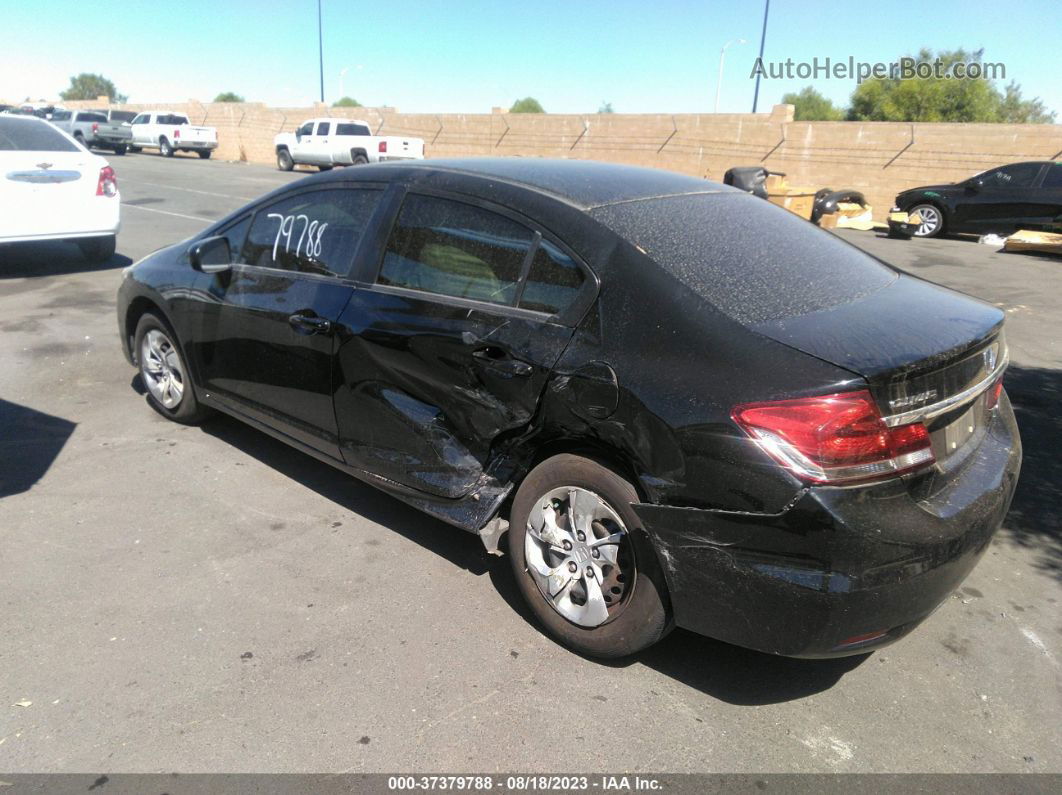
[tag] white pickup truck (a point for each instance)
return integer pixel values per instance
(171, 132)
(341, 142)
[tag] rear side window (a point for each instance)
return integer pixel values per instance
(323, 128)
(141, 119)
(1053, 177)
(751, 260)
(314, 232)
(553, 281)
(449, 248)
(352, 129)
(32, 136)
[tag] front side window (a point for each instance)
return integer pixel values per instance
(553, 281)
(449, 248)
(306, 129)
(61, 115)
(1020, 175)
(314, 232)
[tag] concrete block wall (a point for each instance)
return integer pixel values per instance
(878, 158)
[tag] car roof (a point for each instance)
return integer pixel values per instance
(583, 183)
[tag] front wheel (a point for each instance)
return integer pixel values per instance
(932, 220)
(164, 372)
(582, 560)
(324, 168)
(284, 161)
(204, 154)
(165, 149)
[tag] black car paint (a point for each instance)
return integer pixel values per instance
(641, 374)
(971, 207)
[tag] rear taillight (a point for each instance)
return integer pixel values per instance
(95, 127)
(383, 146)
(108, 184)
(176, 134)
(838, 438)
(994, 391)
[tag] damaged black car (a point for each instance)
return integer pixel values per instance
(671, 402)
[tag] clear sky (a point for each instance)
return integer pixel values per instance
(469, 55)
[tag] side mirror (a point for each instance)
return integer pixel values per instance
(975, 184)
(211, 255)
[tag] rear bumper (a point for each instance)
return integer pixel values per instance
(195, 145)
(840, 570)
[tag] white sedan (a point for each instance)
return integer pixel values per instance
(52, 188)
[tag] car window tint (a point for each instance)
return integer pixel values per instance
(446, 247)
(32, 136)
(1020, 175)
(752, 260)
(236, 234)
(1053, 178)
(553, 281)
(61, 115)
(89, 117)
(306, 129)
(141, 119)
(310, 232)
(352, 129)
(323, 128)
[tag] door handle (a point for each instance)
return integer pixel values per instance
(310, 324)
(501, 362)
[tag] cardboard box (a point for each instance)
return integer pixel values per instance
(1027, 240)
(797, 200)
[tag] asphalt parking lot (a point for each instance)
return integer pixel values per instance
(205, 599)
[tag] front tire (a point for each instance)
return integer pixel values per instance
(98, 249)
(165, 149)
(582, 560)
(164, 372)
(324, 168)
(932, 220)
(204, 154)
(284, 161)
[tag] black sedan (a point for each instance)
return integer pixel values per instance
(1001, 201)
(672, 402)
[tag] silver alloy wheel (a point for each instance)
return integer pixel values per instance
(573, 550)
(931, 220)
(161, 370)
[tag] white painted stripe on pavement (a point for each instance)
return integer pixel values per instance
(204, 221)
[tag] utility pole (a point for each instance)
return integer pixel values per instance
(320, 47)
(763, 39)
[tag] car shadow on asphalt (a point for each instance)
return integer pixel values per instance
(1034, 521)
(29, 444)
(52, 258)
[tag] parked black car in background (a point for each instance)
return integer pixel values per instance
(683, 404)
(1000, 201)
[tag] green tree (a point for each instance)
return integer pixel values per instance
(346, 102)
(938, 98)
(810, 105)
(229, 96)
(606, 107)
(90, 86)
(526, 105)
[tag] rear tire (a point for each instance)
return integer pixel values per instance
(81, 139)
(119, 150)
(324, 168)
(165, 149)
(97, 249)
(204, 154)
(164, 372)
(624, 605)
(284, 161)
(358, 159)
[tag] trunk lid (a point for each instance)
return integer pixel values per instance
(36, 185)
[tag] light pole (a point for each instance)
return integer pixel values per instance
(763, 39)
(320, 48)
(342, 74)
(719, 80)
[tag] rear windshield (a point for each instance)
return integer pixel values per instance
(752, 260)
(32, 136)
(173, 118)
(99, 117)
(122, 115)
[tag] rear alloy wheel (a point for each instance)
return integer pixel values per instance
(164, 148)
(284, 161)
(164, 373)
(582, 560)
(932, 220)
(97, 249)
